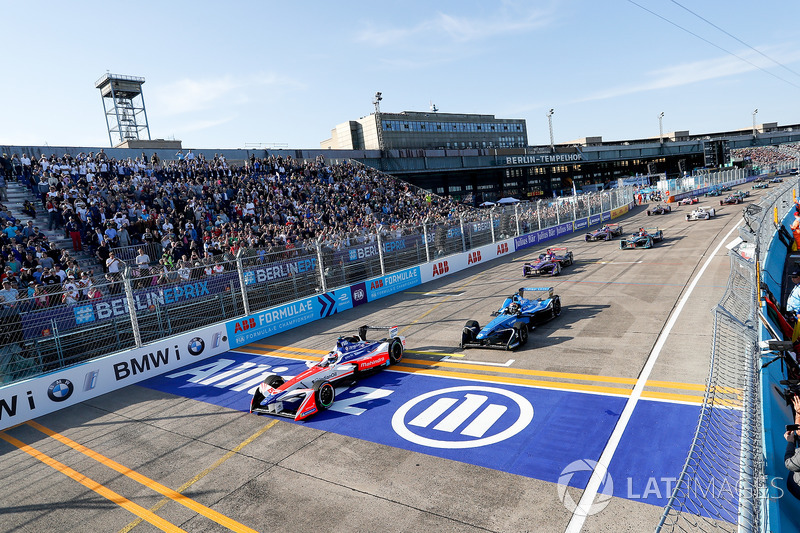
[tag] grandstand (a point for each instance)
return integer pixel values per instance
(132, 250)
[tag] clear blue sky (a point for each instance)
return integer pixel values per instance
(222, 74)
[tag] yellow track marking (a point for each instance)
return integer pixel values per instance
(203, 474)
(515, 381)
(90, 484)
(174, 495)
(518, 371)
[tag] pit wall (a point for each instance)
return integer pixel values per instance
(783, 510)
(48, 393)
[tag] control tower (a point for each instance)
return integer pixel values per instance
(124, 102)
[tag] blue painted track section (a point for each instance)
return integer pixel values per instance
(526, 431)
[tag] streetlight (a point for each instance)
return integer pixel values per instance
(550, 124)
(660, 128)
(754, 122)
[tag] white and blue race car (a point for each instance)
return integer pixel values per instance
(515, 318)
(313, 390)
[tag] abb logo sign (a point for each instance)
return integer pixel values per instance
(377, 284)
(502, 248)
(440, 268)
(244, 325)
(474, 257)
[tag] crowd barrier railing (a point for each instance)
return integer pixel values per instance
(728, 446)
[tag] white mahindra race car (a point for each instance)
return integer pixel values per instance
(701, 213)
(313, 390)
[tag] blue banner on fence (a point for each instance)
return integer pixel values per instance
(271, 321)
(392, 283)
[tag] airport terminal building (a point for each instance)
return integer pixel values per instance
(480, 157)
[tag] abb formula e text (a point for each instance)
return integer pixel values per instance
(511, 323)
(312, 390)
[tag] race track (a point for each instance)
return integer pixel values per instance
(447, 440)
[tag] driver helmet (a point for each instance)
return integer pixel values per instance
(329, 358)
(513, 309)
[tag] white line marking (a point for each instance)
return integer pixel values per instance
(507, 363)
(598, 474)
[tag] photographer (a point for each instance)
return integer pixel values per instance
(792, 456)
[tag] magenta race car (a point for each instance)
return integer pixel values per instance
(312, 390)
(549, 263)
(606, 233)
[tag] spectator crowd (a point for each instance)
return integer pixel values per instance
(200, 211)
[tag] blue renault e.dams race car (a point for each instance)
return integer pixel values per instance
(517, 316)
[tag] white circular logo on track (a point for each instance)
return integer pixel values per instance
(463, 407)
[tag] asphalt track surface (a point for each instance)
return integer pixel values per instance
(169, 455)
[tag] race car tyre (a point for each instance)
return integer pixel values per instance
(257, 399)
(648, 212)
(395, 351)
(687, 217)
(556, 269)
(669, 209)
(570, 260)
(712, 212)
(720, 202)
(324, 394)
(556, 306)
(471, 329)
(274, 381)
(521, 329)
(586, 238)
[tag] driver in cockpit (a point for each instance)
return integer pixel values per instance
(514, 308)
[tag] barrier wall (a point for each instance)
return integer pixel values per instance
(50, 392)
(783, 510)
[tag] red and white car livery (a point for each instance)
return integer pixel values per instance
(313, 390)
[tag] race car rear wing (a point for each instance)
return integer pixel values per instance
(560, 249)
(362, 331)
(549, 290)
(651, 230)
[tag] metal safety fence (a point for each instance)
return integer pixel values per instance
(722, 484)
(54, 326)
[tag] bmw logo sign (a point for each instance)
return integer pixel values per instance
(196, 346)
(60, 390)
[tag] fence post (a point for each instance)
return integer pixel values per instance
(240, 271)
(516, 216)
(538, 213)
(126, 281)
(323, 281)
(491, 222)
(463, 239)
(380, 247)
(425, 240)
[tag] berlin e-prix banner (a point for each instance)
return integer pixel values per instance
(50, 392)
